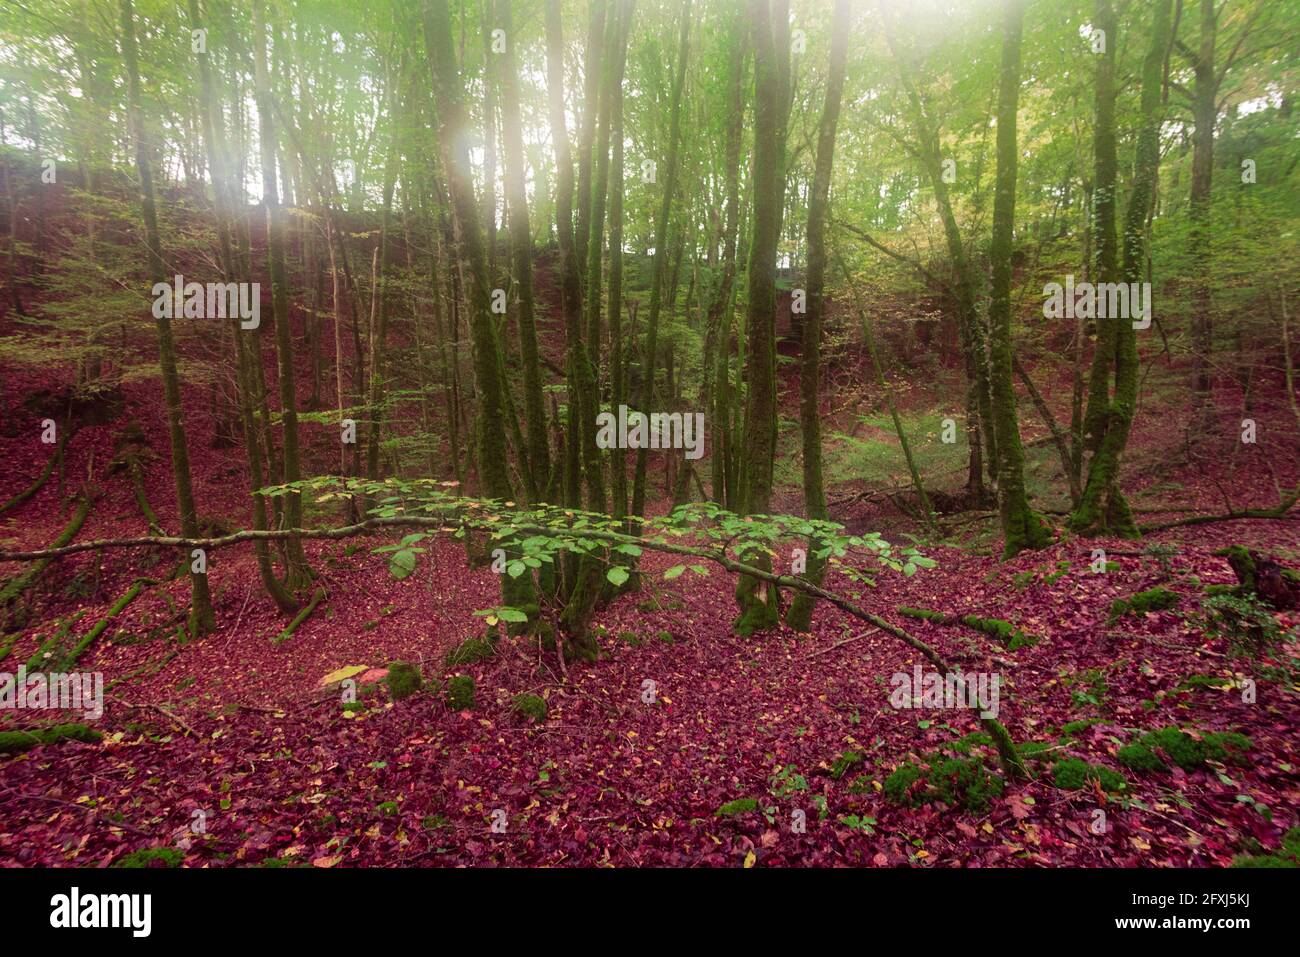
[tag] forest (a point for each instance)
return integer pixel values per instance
(665, 433)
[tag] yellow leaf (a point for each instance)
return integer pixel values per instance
(750, 859)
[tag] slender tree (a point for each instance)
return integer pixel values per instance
(1022, 528)
(799, 616)
(202, 619)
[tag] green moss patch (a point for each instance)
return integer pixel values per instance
(468, 652)
(1154, 599)
(13, 742)
(530, 706)
(962, 782)
(1156, 749)
(737, 807)
(1071, 774)
(460, 693)
(151, 857)
(404, 679)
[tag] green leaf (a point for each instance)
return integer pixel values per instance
(674, 572)
(617, 575)
(402, 563)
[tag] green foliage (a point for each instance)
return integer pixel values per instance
(845, 763)
(1250, 626)
(1153, 599)
(460, 693)
(387, 809)
(787, 782)
(530, 706)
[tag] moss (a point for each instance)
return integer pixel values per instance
(951, 781)
(899, 784)
(924, 614)
(1139, 757)
(1074, 727)
(666, 637)
(844, 763)
(1071, 774)
(13, 742)
(354, 706)
(1203, 681)
(629, 637)
(530, 706)
(737, 807)
(460, 693)
(975, 739)
(151, 857)
(1172, 744)
(1035, 750)
(404, 680)
(1288, 855)
(1154, 599)
(468, 652)
(432, 822)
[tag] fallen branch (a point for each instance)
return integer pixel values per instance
(302, 616)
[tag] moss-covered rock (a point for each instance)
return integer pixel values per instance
(13, 742)
(460, 693)
(404, 679)
(530, 706)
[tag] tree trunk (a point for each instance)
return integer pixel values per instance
(799, 616)
(1022, 528)
(202, 618)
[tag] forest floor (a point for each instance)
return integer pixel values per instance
(237, 750)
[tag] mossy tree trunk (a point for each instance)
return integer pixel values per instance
(799, 615)
(659, 276)
(453, 137)
(202, 617)
(587, 585)
(1103, 508)
(756, 598)
(521, 257)
(1022, 528)
(298, 572)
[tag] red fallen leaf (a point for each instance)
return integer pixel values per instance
(966, 829)
(1017, 804)
(327, 861)
(769, 838)
(880, 860)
